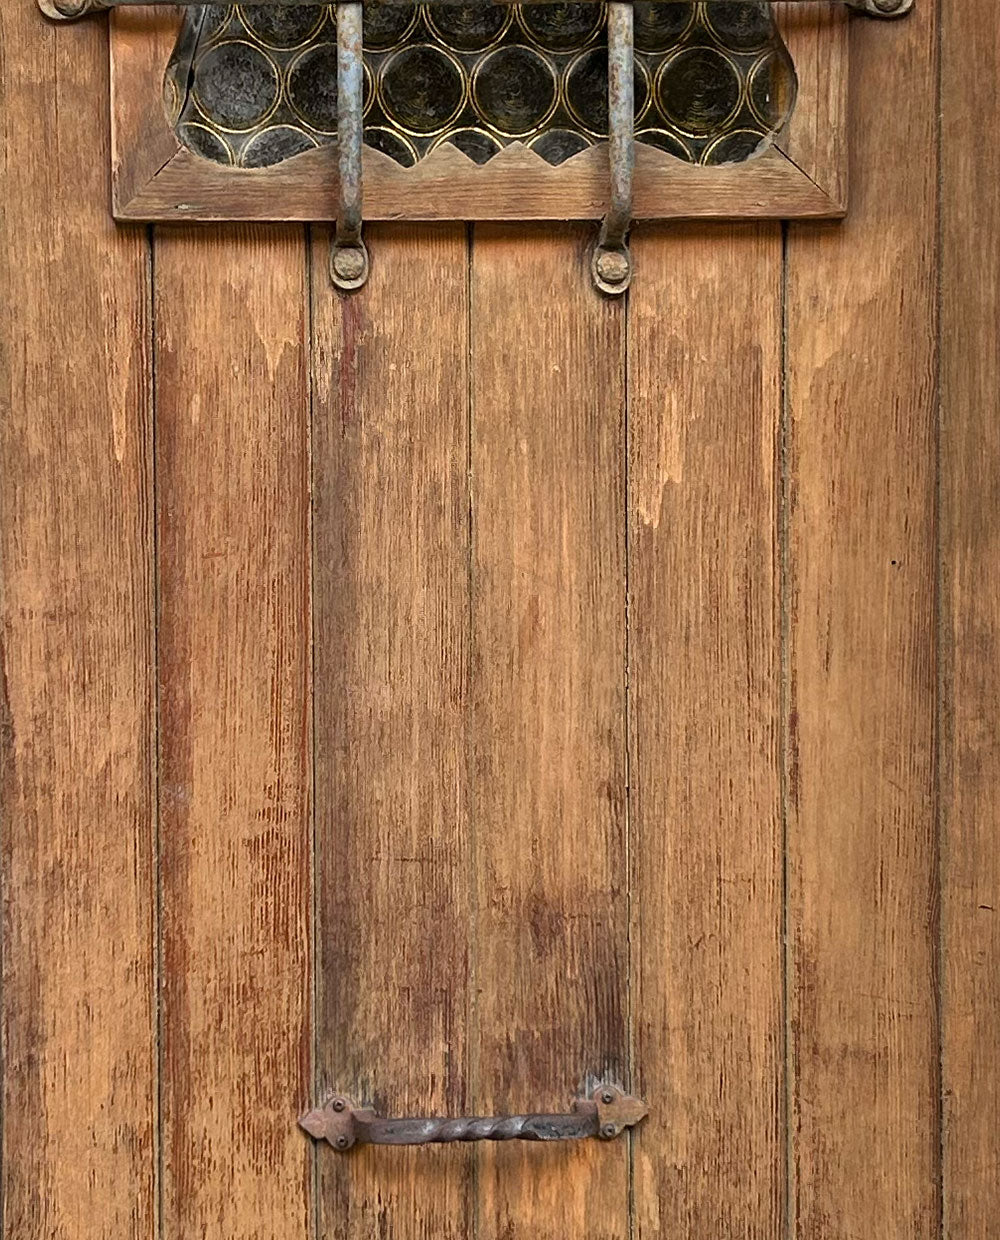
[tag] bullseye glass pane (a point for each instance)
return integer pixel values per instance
(257, 85)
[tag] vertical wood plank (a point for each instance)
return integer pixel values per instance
(391, 622)
(704, 416)
(970, 549)
(233, 525)
(76, 700)
(548, 743)
(861, 480)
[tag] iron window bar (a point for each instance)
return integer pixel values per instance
(348, 255)
(611, 265)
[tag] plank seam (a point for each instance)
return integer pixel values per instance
(631, 1067)
(473, 1210)
(313, 1075)
(938, 928)
(784, 714)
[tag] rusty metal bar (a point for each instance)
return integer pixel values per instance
(69, 9)
(612, 262)
(605, 1114)
(348, 256)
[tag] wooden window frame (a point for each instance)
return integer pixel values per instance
(803, 175)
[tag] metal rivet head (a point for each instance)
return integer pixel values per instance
(338, 1104)
(607, 1097)
(613, 267)
(608, 1131)
(349, 263)
(341, 1143)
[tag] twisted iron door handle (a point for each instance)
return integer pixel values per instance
(605, 1114)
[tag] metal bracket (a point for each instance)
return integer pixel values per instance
(612, 263)
(605, 1114)
(348, 255)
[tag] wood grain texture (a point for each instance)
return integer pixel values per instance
(540, 576)
(142, 142)
(235, 747)
(391, 622)
(861, 666)
(76, 689)
(970, 613)
(704, 413)
(547, 721)
(816, 139)
(515, 184)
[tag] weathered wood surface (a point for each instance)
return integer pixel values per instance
(567, 585)
(390, 450)
(817, 138)
(703, 637)
(232, 474)
(860, 666)
(142, 142)
(546, 722)
(970, 624)
(448, 186)
(76, 638)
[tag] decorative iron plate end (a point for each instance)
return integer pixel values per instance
(616, 1111)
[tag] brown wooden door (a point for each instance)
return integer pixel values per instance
(473, 688)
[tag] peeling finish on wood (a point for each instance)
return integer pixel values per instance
(546, 720)
(704, 644)
(471, 641)
(76, 641)
(391, 495)
(235, 744)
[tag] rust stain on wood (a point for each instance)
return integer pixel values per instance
(391, 485)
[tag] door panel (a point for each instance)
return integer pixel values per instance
(77, 762)
(703, 573)
(860, 607)
(547, 723)
(394, 852)
(484, 687)
(232, 454)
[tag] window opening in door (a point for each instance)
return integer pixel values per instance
(253, 86)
